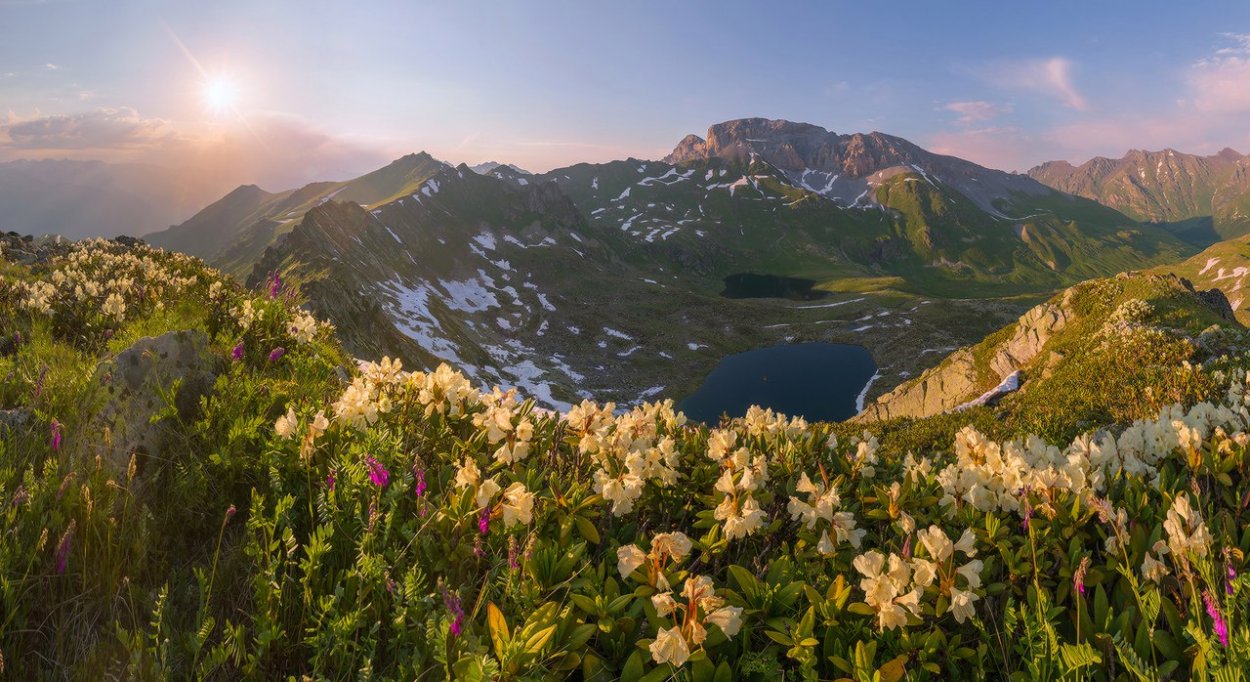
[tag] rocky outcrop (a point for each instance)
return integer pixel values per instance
(1032, 332)
(136, 384)
(958, 380)
(939, 389)
(798, 148)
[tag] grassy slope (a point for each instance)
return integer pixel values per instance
(160, 581)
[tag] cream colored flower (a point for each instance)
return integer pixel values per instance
(727, 618)
(115, 306)
(1153, 570)
(468, 474)
(518, 505)
(971, 572)
(670, 647)
(628, 559)
(935, 541)
(286, 425)
(961, 604)
(923, 571)
(675, 545)
(319, 425)
(845, 530)
(486, 491)
(825, 546)
(664, 603)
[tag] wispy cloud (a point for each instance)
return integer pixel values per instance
(1204, 112)
(1002, 147)
(976, 111)
(1052, 77)
(52, 67)
(101, 129)
(275, 150)
(1220, 84)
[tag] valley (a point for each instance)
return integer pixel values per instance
(630, 280)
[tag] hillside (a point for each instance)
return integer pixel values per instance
(1047, 373)
(235, 230)
(1221, 266)
(198, 483)
(533, 281)
(1205, 198)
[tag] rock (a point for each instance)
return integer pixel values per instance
(134, 383)
(957, 380)
(12, 420)
(1218, 301)
(1033, 330)
(937, 390)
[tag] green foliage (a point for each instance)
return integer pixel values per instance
(333, 522)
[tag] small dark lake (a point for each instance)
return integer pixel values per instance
(818, 381)
(751, 285)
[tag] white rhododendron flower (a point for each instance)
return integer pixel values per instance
(628, 559)
(670, 647)
(286, 425)
(1185, 530)
(486, 491)
(727, 618)
(518, 505)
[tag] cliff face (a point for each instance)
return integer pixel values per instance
(961, 378)
(1092, 320)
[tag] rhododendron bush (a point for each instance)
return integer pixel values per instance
(335, 519)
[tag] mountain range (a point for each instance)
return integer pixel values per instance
(630, 279)
(1204, 198)
(536, 280)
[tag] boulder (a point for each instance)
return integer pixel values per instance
(12, 420)
(136, 383)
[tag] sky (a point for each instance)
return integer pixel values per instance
(280, 92)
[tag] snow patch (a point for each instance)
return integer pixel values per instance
(827, 305)
(863, 394)
(1010, 383)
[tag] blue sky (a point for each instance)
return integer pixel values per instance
(327, 90)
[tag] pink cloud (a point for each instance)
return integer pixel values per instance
(993, 147)
(976, 111)
(1220, 84)
(1051, 77)
(276, 151)
(1208, 115)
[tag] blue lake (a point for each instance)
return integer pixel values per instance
(818, 381)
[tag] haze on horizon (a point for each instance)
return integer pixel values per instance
(284, 93)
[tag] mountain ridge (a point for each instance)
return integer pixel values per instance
(1206, 198)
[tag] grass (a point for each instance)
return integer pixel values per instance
(241, 553)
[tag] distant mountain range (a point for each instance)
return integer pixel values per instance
(92, 198)
(1206, 198)
(601, 279)
(484, 168)
(534, 279)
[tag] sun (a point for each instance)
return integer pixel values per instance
(221, 94)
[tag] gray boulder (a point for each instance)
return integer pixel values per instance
(135, 385)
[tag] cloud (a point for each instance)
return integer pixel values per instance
(1051, 77)
(1220, 84)
(105, 128)
(976, 111)
(52, 67)
(1202, 112)
(993, 147)
(274, 150)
